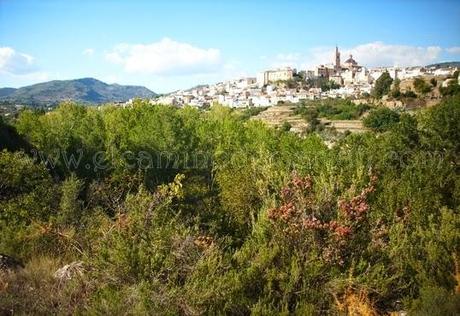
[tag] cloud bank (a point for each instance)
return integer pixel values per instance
(15, 63)
(453, 50)
(370, 54)
(166, 57)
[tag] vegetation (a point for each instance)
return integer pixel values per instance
(286, 126)
(448, 64)
(396, 90)
(453, 88)
(186, 212)
(252, 111)
(334, 109)
(381, 119)
(327, 85)
(309, 114)
(409, 94)
(382, 85)
(421, 86)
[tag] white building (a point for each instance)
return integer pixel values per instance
(266, 77)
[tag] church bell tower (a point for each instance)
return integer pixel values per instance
(337, 60)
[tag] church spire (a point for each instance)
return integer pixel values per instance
(337, 59)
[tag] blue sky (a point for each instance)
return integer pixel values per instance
(168, 45)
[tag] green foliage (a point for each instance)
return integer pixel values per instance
(334, 109)
(310, 114)
(381, 119)
(70, 205)
(436, 301)
(421, 86)
(441, 125)
(252, 111)
(327, 85)
(262, 222)
(9, 138)
(27, 196)
(382, 85)
(453, 88)
(286, 127)
(395, 91)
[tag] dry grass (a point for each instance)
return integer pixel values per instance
(355, 304)
(34, 289)
(457, 274)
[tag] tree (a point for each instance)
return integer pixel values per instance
(453, 88)
(421, 86)
(311, 115)
(381, 120)
(382, 85)
(395, 91)
(327, 85)
(70, 208)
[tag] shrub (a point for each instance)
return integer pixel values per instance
(421, 86)
(436, 301)
(382, 85)
(286, 127)
(381, 119)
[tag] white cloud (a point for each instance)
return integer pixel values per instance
(453, 50)
(88, 52)
(380, 54)
(16, 63)
(370, 55)
(166, 57)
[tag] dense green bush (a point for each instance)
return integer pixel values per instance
(453, 88)
(382, 85)
(190, 212)
(334, 109)
(421, 86)
(381, 119)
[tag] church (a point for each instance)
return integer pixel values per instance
(348, 73)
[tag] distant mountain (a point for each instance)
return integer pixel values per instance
(445, 64)
(86, 90)
(4, 92)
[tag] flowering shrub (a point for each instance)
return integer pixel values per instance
(299, 215)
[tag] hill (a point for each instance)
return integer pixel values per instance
(4, 92)
(445, 64)
(85, 90)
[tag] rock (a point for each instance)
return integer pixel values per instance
(8, 263)
(69, 271)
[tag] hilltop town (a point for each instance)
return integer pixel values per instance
(347, 79)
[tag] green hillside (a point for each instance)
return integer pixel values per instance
(85, 90)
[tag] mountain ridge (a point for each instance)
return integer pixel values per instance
(84, 90)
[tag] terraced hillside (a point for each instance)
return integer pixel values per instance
(277, 115)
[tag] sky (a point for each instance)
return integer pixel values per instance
(170, 45)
